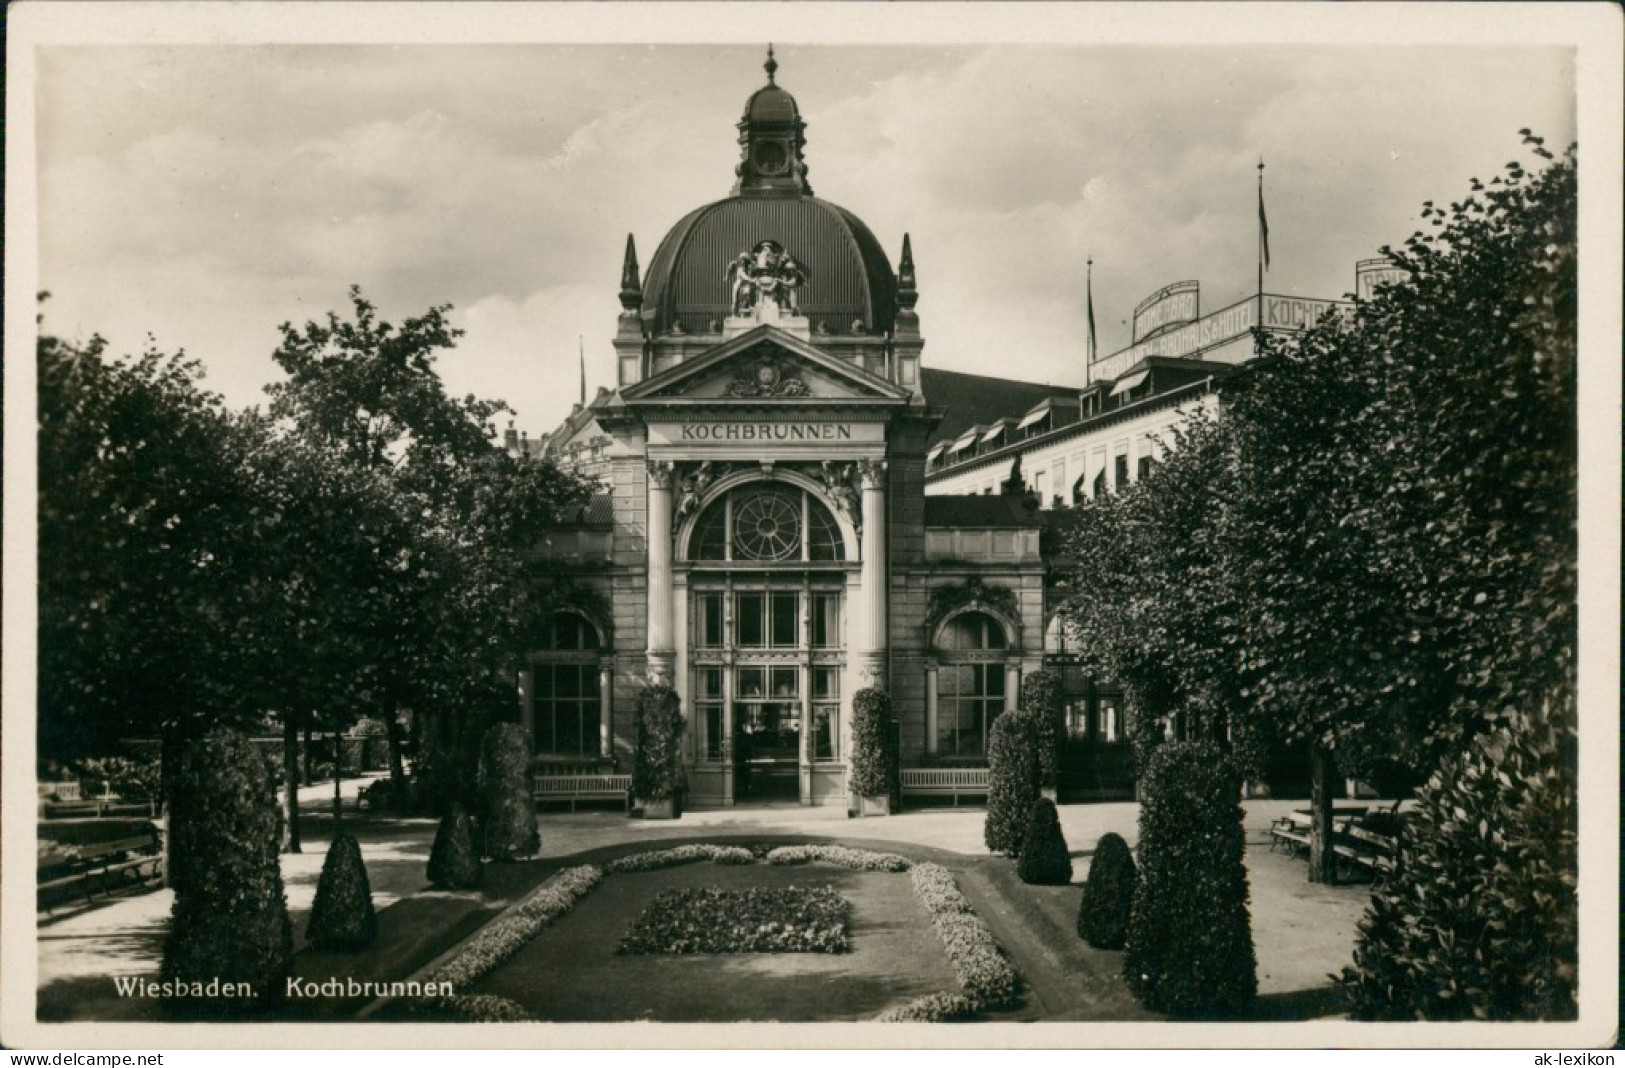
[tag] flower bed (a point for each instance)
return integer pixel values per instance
(841, 856)
(931, 1008)
(683, 854)
(986, 977)
(508, 933)
(711, 920)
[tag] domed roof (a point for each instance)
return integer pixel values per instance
(849, 278)
(849, 287)
(770, 104)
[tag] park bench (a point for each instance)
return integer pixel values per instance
(593, 787)
(1292, 831)
(1371, 852)
(87, 856)
(944, 782)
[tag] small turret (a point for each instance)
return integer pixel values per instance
(631, 287)
(908, 293)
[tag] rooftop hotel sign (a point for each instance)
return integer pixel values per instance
(753, 435)
(1227, 324)
(1164, 309)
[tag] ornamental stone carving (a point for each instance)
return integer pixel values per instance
(765, 378)
(660, 474)
(872, 474)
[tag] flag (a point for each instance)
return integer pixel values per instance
(1089, 338)
(581, 346)
(1263, 221)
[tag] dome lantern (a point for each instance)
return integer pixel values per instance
(771, 138)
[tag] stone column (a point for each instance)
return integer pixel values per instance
(1012, 685)
(872, 581)
(931, 707)
(662, 654)
(527, 703)
(606, 705)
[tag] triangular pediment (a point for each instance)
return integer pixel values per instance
(765, 365)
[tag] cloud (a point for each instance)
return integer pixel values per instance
(206, 194)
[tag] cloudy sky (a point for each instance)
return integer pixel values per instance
(204, 194)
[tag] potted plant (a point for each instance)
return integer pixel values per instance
(658, 781)
(874, 772)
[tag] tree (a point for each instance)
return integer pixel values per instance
(230, 918)
(431, 582)
(1012, 780)
(1372, 550)
(1190, 946)
(148, 541)
(342, 916)
(507, 810)
(1045, 859)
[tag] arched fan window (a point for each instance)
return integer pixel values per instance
(767, 524)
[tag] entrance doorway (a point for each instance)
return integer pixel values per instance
(767, 733)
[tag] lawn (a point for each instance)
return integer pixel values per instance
(571, 972)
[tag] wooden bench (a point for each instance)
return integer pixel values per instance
(1285, 833)
(944, 782)
(1366, 849)
(131, 859)
(574, 788)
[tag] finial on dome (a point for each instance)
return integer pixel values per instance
(771, 66)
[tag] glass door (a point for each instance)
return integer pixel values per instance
(767, 732)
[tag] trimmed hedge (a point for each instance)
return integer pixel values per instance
(1012, 780)
(230, 917)
(1108, 894)
(454, 864)
(1190, 946)
(1045, 860)
(342, 916)
(657, 770)
(1044, 695)
(507, 810)
(874, 772)
(1478, 919)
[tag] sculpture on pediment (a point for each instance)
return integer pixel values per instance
(765, 273)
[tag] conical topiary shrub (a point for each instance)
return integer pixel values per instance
(230, 918)
(1044, 858)
(508, 812)
(1012, 780)
(454, 864)
(1190, 941)
(342, 916)
(1108, 894)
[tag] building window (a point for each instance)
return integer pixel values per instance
(826, 713)
(768, 525)
(826, 620)
(1120, 470)
(970, 684)
(708, 621)
(708, 701)
(1144, 467)
(764, 620)
(969, 697)
(1100, 484)
(565, 701)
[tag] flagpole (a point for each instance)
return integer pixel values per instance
(1262, 246)
(581, 352)
(1089, 301)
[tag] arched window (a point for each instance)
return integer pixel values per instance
(565, 698)
(767, 524)
(970, 683)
